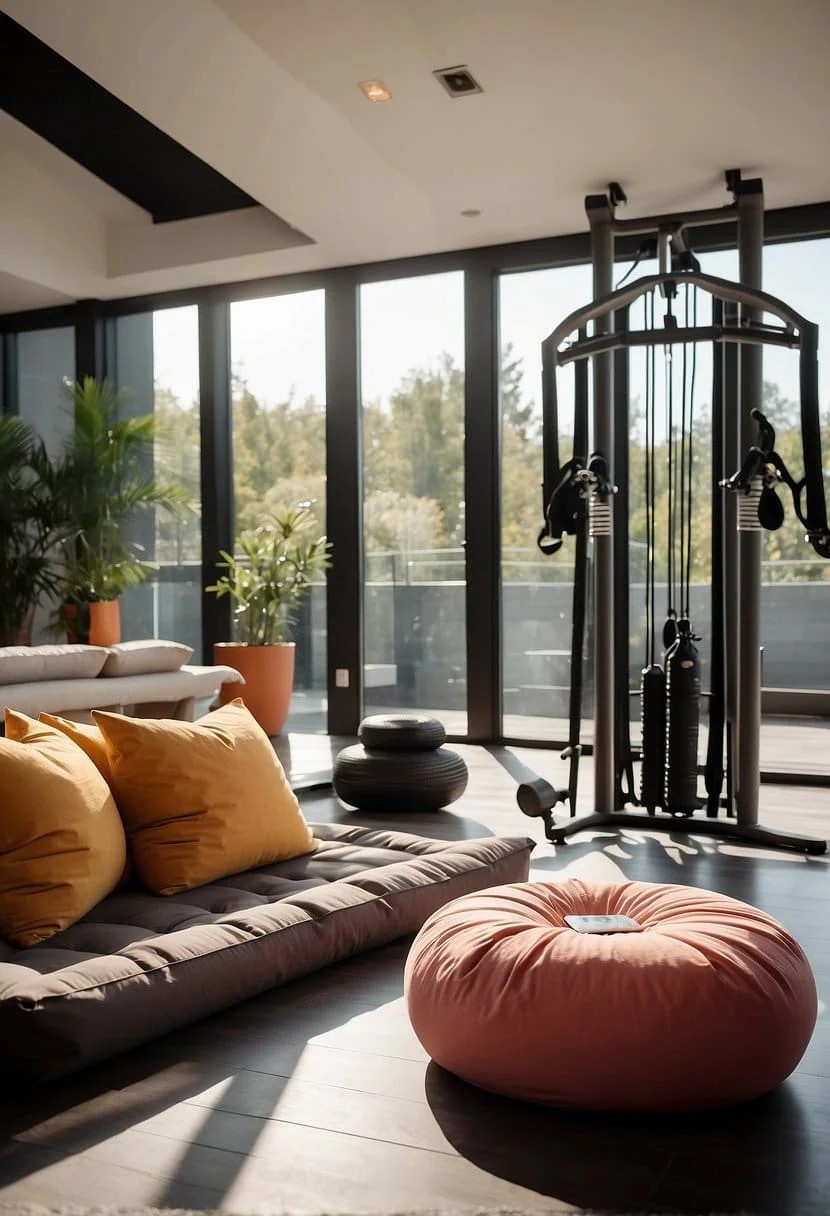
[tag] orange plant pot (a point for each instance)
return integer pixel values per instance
(105, 623)
(94, 624)
(268, 672)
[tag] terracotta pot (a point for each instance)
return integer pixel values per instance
(268, 672)
(105, 623)
(94, 624)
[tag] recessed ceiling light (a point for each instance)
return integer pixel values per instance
(375, 90)
(458, 81)
(470, 212)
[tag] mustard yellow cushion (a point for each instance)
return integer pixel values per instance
(88, 738)
(62, 845)
(201, 799)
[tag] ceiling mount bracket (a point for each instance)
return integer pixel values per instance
(616, 194)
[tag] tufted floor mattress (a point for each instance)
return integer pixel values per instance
(139, 965)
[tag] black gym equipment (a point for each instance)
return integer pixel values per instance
(580, 499)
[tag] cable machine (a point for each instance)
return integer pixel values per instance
(580, 499)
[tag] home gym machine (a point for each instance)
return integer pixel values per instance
(581, 500)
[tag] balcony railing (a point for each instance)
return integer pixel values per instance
(415, 610)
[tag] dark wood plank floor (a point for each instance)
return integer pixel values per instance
(318, 1097)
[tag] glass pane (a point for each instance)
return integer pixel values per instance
(279, 453)
(795, 582)
(412, 366)
(45, 369)
(537, 590)
(158, 362)
(45, 361)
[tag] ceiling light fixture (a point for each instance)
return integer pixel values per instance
(458, 81)
(375, 90)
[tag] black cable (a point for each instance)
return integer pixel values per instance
(645, 248)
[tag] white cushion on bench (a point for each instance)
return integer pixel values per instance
(22, 664)
(145, 657)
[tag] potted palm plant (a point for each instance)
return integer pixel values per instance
(30, 522)
(267, 579)
(108, 478)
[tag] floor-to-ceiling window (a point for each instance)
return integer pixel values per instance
(537, 590)
(279, 453)
(45, 361)
(412, 388)
(157, 367)
(795, 584)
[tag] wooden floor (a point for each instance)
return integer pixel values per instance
(318, 1097)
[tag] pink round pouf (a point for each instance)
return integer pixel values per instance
(712, 1003)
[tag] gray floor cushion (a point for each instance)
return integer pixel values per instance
(140, 964)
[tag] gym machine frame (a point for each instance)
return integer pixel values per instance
(736, 578)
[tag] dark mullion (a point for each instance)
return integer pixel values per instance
(109, 340)
(9, 384)
(482, 486)
(38, 318)
(216, 465)
(344, 505)
(90, 340)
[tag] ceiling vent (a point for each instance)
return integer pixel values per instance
(458, 81)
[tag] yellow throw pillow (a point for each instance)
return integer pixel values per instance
(88, 738)
(62, 846)
(201, 799)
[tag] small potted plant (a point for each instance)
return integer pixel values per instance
(30, 522)
(267, 579)
(108, 482)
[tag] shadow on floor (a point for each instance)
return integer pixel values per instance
(248, 1053)
(751, 1159)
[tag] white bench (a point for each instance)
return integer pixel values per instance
(163, 694)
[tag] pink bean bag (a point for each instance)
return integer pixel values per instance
(712, 1003)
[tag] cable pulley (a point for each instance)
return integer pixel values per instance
(755, 482)
(565, 508)
(598, 489)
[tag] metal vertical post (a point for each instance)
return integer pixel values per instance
(623, 772)
(732, 458)
(600, 217)
(750, 200)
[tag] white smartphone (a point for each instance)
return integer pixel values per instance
(603, 924)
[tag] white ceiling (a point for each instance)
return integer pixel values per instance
(662, 96)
